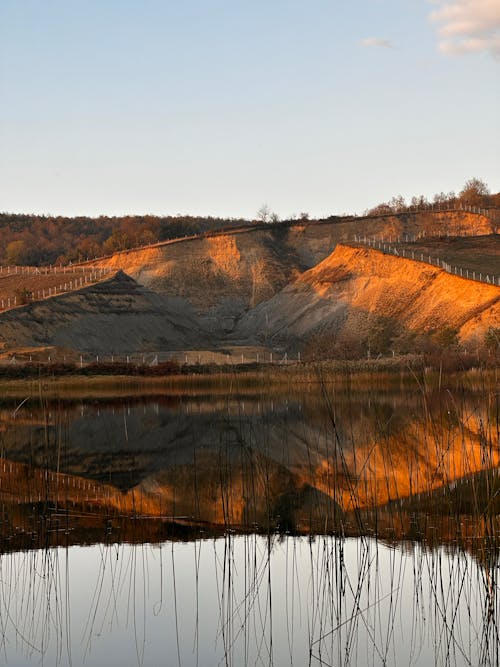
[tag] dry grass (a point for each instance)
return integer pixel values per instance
(476, 253)
(376, 375)
(12, 284)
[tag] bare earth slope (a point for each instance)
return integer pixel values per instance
(214, 278)
(222, 276)
(113, 316)
(354, 288)
(262, 284)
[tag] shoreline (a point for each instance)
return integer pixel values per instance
(364, 376)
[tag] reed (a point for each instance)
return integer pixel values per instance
(322, 522)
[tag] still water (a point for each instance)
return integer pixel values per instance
(320, 527)
(248, 600)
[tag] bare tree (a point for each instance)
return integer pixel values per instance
(264, 213)
(420, 201)
(440, 198)
(474, 192)
(398, 203)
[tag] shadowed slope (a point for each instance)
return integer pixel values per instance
(115, 315)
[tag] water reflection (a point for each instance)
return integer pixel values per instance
(292, 463)
(249, 600)
(326, 527)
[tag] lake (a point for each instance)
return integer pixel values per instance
(324, 524)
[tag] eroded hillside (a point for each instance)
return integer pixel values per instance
(225, 275)
(114, 316)
(356, 290)
(273, 284)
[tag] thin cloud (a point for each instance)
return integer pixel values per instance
(377, 42)
(468, 26)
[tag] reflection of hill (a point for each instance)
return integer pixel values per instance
(284, 463)
(42, 509)
(377, 449)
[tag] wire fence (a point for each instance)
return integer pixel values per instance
(90, 273)
(201, 358)
(24, 293)
(444, 207)
(59, 269)
(408, 253)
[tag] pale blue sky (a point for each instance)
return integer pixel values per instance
(218, 106)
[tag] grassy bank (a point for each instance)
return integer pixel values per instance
(369, 376)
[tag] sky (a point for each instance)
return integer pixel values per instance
(216, 107)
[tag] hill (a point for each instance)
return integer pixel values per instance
(222, 276)
(361, 294)
(116, 315)
(275, 285)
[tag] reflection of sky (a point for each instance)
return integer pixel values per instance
(189, 603)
